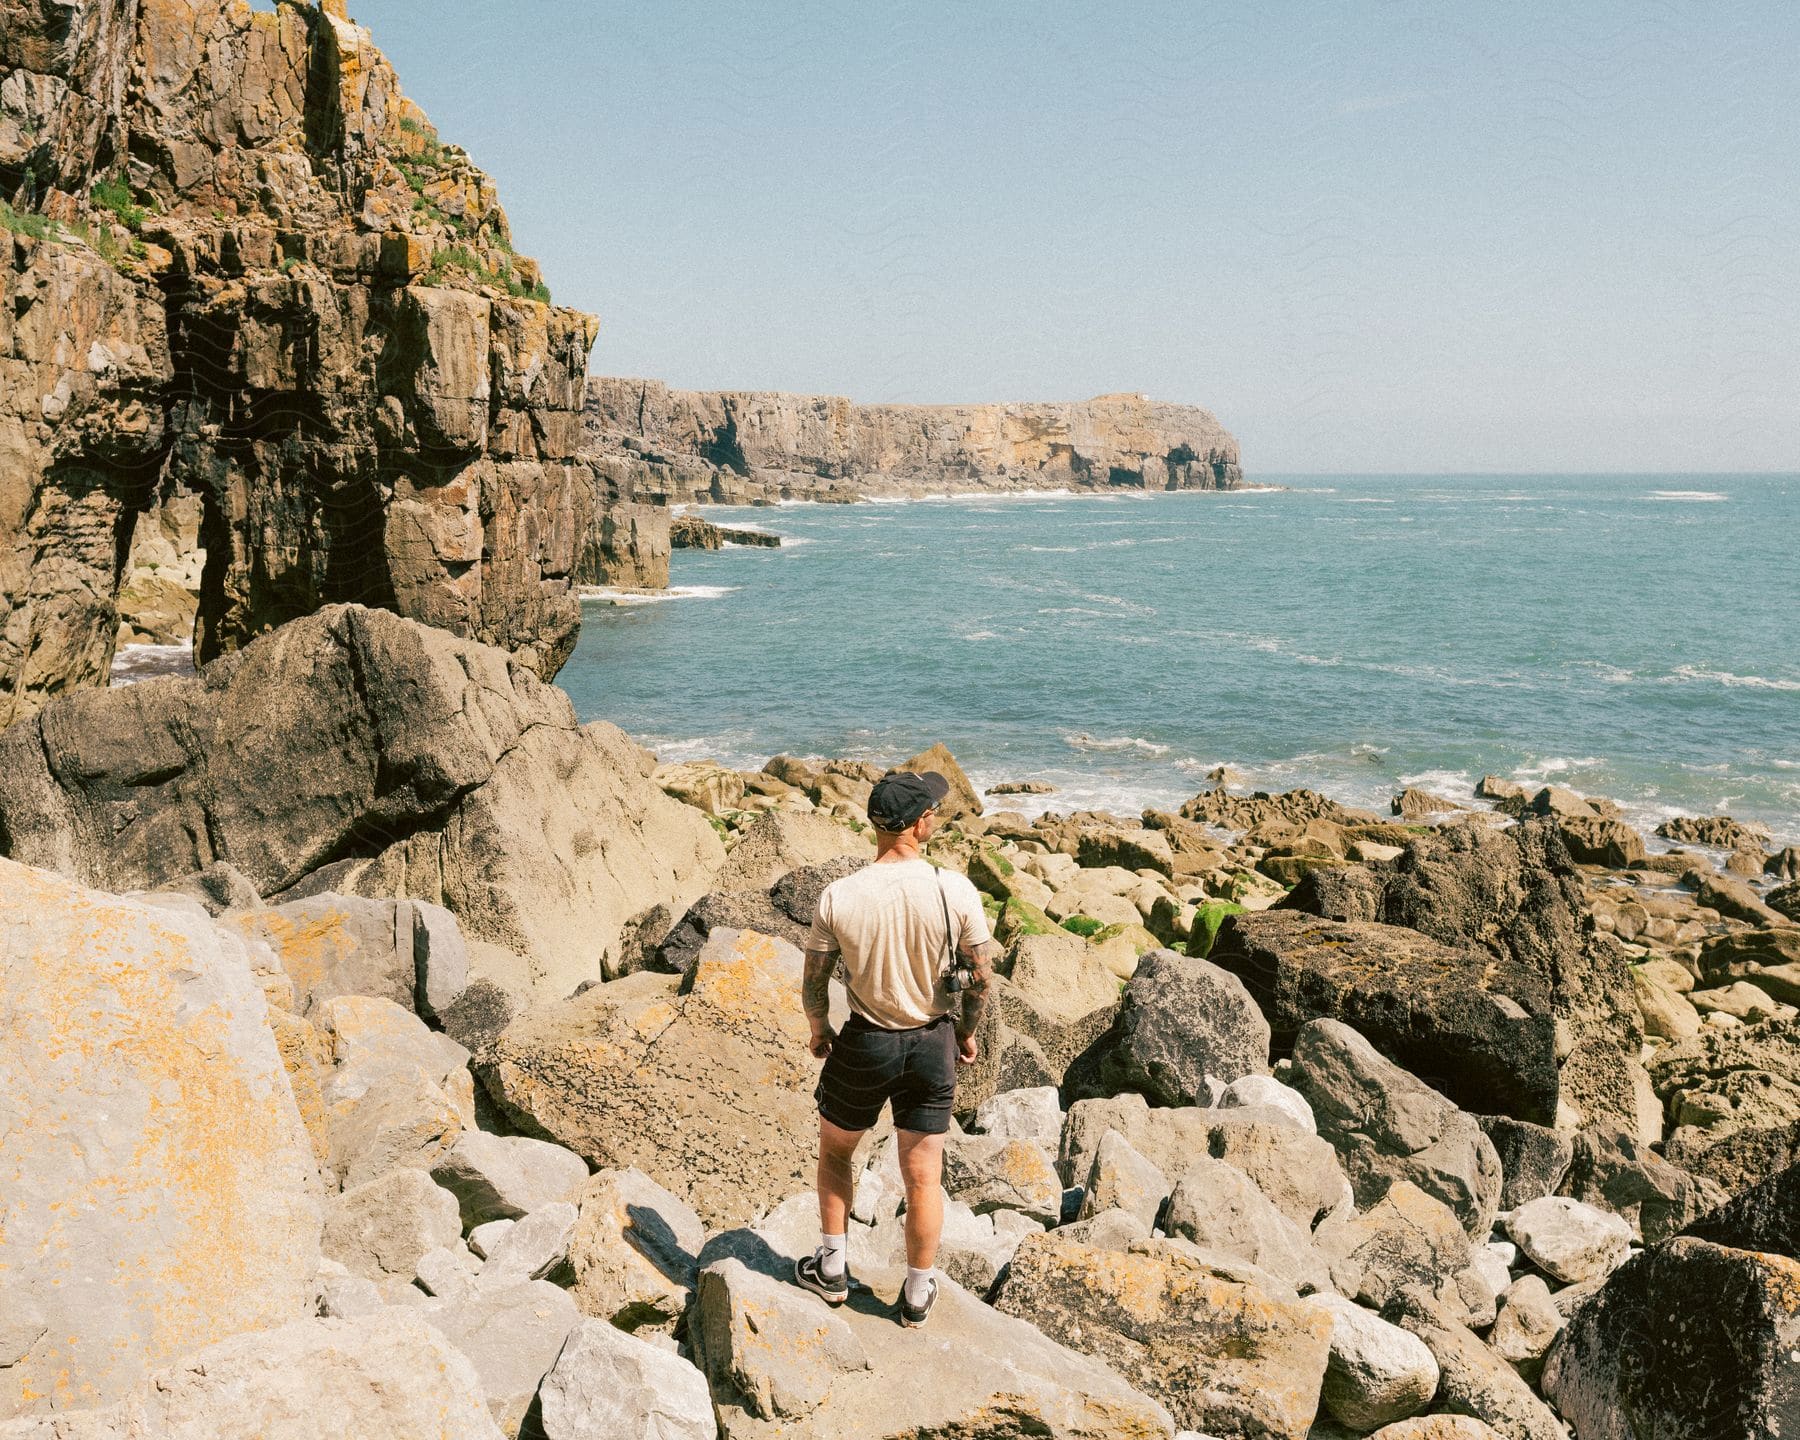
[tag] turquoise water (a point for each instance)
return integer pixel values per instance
(1626, 636)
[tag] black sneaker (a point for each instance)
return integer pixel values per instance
(912, 1316)
(808, 1276)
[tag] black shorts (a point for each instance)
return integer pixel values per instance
(869, 1066)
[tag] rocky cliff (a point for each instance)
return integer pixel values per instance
(238, 267)
(727, 446)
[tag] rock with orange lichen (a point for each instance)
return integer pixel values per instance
(988, 1172)
(703, 1082)
(1224, 1357)
(633, 1252)
(158, 1188)
(387, 1375)
(1689, 1338)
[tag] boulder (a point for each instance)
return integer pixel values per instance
(1767, 956)
(1689, 1338)
(1526, 1326)
(1121, 1179)
(1668, 1013)
(703, 1083)
(723, 910)
(1217, 1207)
(1784, 900)
(535, 1248)
(1377, 1373)
(1411, 804)
(1474, 1380)
(1730, 896)
(331, 945)
(606, 1383)
(989, 1372)
(380, 1230)
(1130, 849)
(1438, 1427)
(769, 1348)
(219, 887)
(1185, 1028)
(1720, 832)
(1513, 901)
(1408, 1240)
(990, 1173)
(1058, 995)
(446, 1271)
(512, 1335)
(1656, 1199)
(1738, 1079)
(1033, 1114)
(963, 798)
(436, 768)
(1569, 1241)
(784, 840)
(1611, 843)
(1265, 1092)
(633, 1251)
(1224, 1357)
(158, 1187)
(1764, 1217)
(1533, 1158)
(704, 784)
(503, 1177)
(386, 1373)
(1737, 1159)
(1388, 1126)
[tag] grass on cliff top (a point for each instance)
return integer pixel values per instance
(98, 238)
(459, 258)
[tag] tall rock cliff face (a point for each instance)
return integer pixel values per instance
(751, 445)
(239, 265)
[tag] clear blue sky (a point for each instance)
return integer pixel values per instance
(1398, 235)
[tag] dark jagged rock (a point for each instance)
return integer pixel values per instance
(360, 752)
(1737, 1159)
(1687, 1339)
(1611, 1170)
(690, 532)
(1513, 899)
(1245, 812)
(1765, 1217)
(1719, 831)
(1533, 1158)
(266, 284)
(723, 910)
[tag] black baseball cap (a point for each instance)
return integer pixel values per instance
(901, 797)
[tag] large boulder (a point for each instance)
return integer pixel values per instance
(1689, 1338)
(1744, 1078)
(511, 1334)
(963, 798)
(784, 840)
(387, 1373)
(158, 1188)
(432, 767)
(608, 1383)
(1185, 1029)
(1216, 1206)
(633, 1254)
(1655, 1198)
(1378, 1373)
(1474, 1379)
(703, 1083)
(984, 1373)
(1407, 1240)
(1764, 1217)
(1538, 976)
(1387, 1126)
(1224, 1357)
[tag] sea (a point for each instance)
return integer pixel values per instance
(1633, 636)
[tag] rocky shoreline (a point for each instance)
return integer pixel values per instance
(1291, 1119)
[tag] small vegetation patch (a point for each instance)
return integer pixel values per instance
(114, 196)
(1207, 920)
(1086, 926)
(24, 222)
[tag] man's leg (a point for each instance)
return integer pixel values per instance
(922, 1170)
(837, 1175)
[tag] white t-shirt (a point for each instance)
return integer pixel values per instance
(887, 922)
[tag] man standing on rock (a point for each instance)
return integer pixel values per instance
(918, 963)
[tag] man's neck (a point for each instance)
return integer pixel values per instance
(890, 851)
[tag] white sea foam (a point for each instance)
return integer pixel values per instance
(1049, 549)
(1367, 500)
(602, 594)
(1556, 765)
(1451, 784)
(982, 635)
(132, 663)
(1688, 496)
(1253, 490)
(1690, 673)
(1081, 740)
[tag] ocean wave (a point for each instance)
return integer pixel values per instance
(1690, 673)
(132, 663)
(1257, 490)
(602, 594)
(1556, 765)
(1081, 740)
(982, 635)
(1451, 784)
(1687, 496)
(1049, 549)
(1367, 500)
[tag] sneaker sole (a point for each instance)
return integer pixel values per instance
(830, 1297)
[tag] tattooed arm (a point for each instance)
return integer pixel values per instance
(976, 991)
(815, 997)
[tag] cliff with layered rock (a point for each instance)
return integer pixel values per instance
(747, 445)
(239, 270)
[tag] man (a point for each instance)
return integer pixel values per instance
(898, 926)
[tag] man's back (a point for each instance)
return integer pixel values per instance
(887, 920)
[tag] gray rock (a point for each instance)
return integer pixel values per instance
(440, 956)
(343, 1296)
(512, 1335)
(1569, 1241)
(1653, 1352)
(1265, 1092)
(1407, 1240)
(608, 1385)
(483, 1238)
(770, 1347)
(219, 887)
(479, 1014)
(405, 1122)
(1388, 1126)
(333, 945)
(386, 1374)
(1533, 1158)
(447, 1271)
(1184, 1028)
(988, 1173)
(501, 1177)
(382, 1229)
(1033, 1114)
(1378, 1373)
(633, 1251)
(160, 1189)
(1109, 1230)
(1122, 1179)
(1216, 1206)
(1527, 1325)
(880, 1190)
(1474, 1380)
(534, 1249)
(1656, 1199)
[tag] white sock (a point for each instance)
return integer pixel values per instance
(918, 1286)
(832, 1253)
